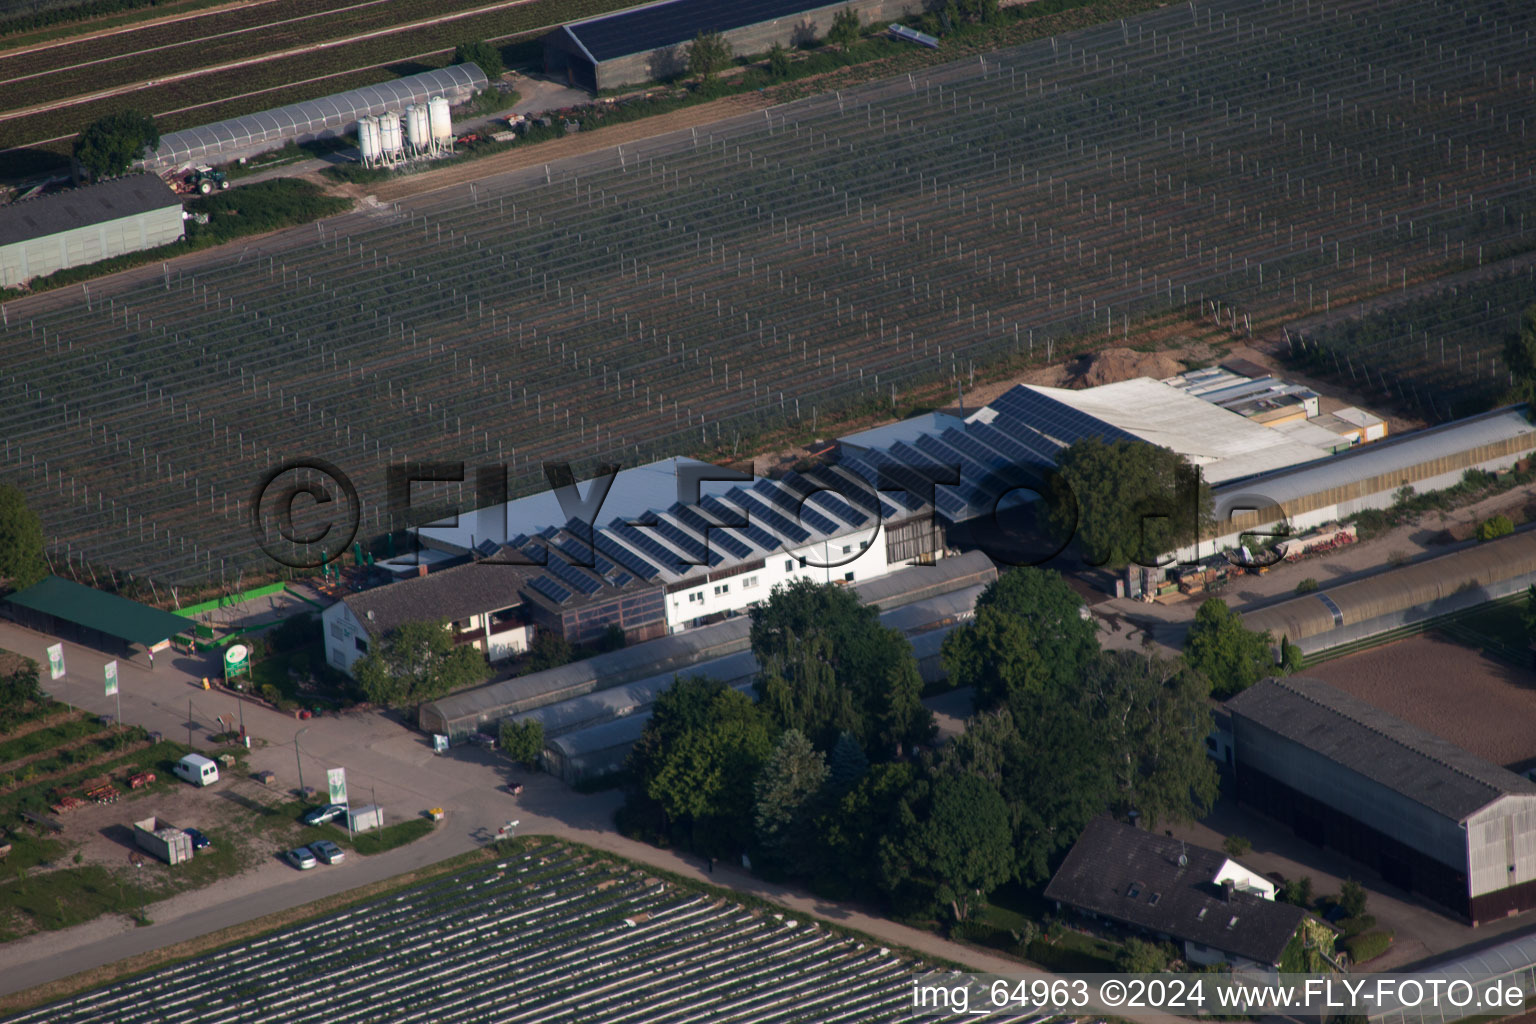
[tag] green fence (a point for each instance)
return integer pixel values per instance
(231, 599)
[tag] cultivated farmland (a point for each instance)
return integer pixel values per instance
(541, 937)
(1251, 159)
(1442, 350)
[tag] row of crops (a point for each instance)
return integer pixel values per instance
(1441, 350)
(540, 937)
(1248, 157)
(185, 103)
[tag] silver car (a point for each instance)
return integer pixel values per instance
(301, 858)
(328, 851)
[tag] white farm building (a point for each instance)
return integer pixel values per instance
(85, 225)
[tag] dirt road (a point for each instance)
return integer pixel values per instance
(570, 145)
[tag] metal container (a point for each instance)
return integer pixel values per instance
(368, 139)
(391, 139)
(442, 123)
(163, 839)
(418, 128)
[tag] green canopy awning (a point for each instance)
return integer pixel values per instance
(103, 612)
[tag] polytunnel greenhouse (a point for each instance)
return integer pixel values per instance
(297, 122)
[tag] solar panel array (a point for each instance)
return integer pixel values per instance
(963, 471)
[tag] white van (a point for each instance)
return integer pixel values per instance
(198, 770)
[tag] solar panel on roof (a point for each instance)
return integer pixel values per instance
(822, 493)
(663, 25)
(580, 553)
(752, 531)
(886, 477)
(1054, 418)
(1012, 447)
(696, 548)
(717, 535)
(760, 510)
(658, 552)
(793, 507)
(573, 577)
(621, 579)
(625, 557)
(550, 589)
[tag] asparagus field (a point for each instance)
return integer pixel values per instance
(1238, 159)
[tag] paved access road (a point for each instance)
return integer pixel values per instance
(385, 760)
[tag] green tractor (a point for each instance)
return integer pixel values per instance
(205, 179)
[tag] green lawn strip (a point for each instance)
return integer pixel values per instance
(47, 739)
(368, 843)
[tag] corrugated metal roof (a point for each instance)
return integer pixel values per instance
(98, 610)
(1367, 741)
(1380, 458)
(82, 207)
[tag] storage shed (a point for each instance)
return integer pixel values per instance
(650, 42)
(163, 839)
(1426, 815)
(86, 225)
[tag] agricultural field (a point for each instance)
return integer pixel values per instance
(548, 934)
(138, 59)
(1256, 161)
(1441, 352)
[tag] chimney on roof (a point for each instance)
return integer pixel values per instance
(1227, 886)
(421, 570)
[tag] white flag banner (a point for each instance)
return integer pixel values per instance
(111, 674)
(56, 661)
(337, 778)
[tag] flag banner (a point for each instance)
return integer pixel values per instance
(337, 778)
(111, 673)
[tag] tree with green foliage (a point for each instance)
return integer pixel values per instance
(1126, 502)
(1228, 654)
(1028, 632)
(699, 759)
(951, 844)
(1528, 613)
(708, 54)
(482, 53)
(1138, 956)
(1494, 527)
(19, 687)
(789, 783)
(849, 828)
(612, 639)
(548, 650)
(523, 742)
(1151, 719)
(845, 30)
(778, 61)
(829, 666)
(1352, 898)
(416, 662)
(1297, 892)
(1520, 360)
(847, 763)
(1236, 846)
(21, 541)
(109, 146)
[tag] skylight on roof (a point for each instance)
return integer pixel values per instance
(1232, 923)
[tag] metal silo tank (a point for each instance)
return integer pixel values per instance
(418, 128)
(368, 139)
(391, 140)
(442, 124)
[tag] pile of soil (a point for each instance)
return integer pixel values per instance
(1116, 364)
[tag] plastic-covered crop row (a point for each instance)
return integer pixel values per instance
(328, 115)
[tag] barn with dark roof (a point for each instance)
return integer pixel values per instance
(1426, 815)
(650, 42)
(86, 225)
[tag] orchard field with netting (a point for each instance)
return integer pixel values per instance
(1239, 159)
(544, 936)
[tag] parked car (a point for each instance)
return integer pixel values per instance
(199, 841)
(328, 851)
(301, 858)
(321, 815)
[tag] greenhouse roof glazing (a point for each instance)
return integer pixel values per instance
(328, 113)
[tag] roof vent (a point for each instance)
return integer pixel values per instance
(1232, 923)
(370, 614)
